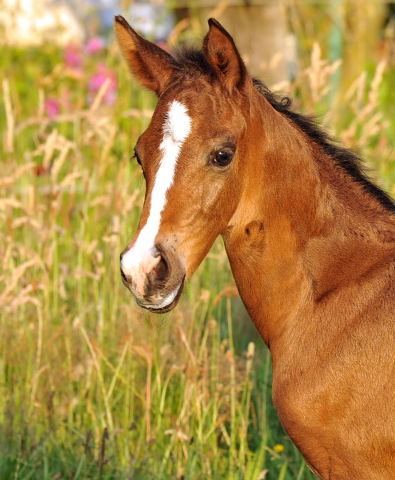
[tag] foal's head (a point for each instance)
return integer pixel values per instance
(191, 155)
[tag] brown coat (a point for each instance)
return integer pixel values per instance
(311, 243)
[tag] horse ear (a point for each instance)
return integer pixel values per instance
(152, 66)
(221, 52)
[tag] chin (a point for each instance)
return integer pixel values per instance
(168, 303)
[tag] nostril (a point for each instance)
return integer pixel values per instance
(162, 269)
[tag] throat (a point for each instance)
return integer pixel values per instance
(269, 274)
(285, 280)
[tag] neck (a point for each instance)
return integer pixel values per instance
(298, 233)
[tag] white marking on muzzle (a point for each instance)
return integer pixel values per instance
(176, 129)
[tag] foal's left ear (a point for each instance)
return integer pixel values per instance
(221, 52)
(152, 66)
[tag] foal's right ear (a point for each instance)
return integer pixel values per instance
(221, 52)
(152, 66)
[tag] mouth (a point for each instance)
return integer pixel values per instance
(168, 303)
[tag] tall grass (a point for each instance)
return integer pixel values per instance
(91, 385)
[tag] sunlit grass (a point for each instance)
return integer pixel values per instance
(92, 386)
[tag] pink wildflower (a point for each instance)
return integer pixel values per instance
(94, 45)
(51, 107)
(72, 57)
(98, 79)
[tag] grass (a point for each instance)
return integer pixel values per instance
(91, 385)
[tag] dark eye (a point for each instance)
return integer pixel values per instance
(223, 157)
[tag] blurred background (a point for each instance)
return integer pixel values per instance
(91, 386)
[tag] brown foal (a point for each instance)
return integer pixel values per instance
(311, 243)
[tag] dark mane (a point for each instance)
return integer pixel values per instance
(343, 157)
(193, 60)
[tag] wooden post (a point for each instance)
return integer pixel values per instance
(260, 30)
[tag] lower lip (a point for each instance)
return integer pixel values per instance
(168, 307)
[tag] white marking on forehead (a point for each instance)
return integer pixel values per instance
(177, 125)
(176, 129)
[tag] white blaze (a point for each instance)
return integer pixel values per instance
(176, 129)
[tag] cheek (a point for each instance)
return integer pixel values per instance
(209, 209)
(208, 218)
(206, 201)
(199, 209)
(219, 197)
(210, 196)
